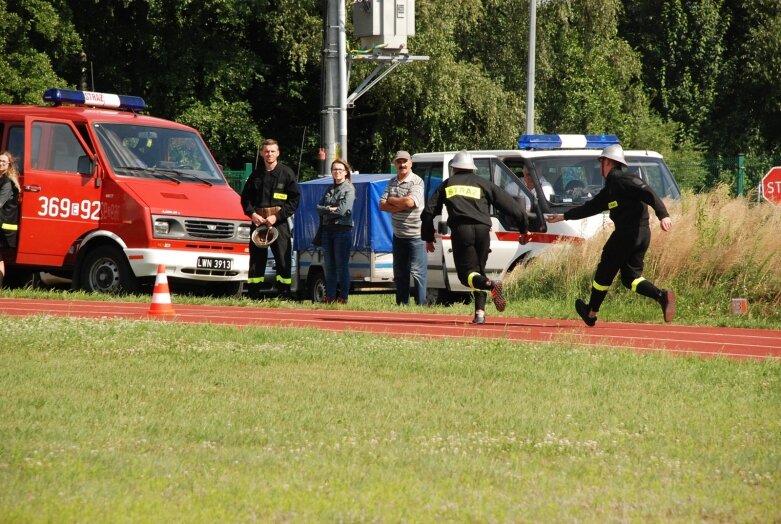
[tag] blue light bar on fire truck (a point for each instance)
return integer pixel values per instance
(566, 141)
(91, 98)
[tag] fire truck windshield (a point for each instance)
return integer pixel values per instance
(157, 152)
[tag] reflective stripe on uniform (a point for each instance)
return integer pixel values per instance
(599, 287)
(9, 227)
(280, 196)
(470, 278)
(463, 191)
(283, 280)
(255, 280)
(636, 282)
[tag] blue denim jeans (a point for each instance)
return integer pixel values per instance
(336, 257)
(410, 260)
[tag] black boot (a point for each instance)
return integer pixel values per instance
(284, 292)
(253, 291)
(583, 310)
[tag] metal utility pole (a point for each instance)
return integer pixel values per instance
(334, 71)
(383, 26)
(530, 73)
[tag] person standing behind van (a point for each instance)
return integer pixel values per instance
(627, 197)
(269, 197)
(403, 198)
(9, 207)
(336, 217)
(468, 198)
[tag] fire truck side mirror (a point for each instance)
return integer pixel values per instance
(86, 166)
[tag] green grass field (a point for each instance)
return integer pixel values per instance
(135, 421)
(120, 421)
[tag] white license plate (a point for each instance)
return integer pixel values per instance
(214, 263)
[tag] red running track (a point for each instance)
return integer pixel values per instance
(673, 338)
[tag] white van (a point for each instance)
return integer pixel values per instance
(565, 173)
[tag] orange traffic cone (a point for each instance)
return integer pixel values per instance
(161, 297)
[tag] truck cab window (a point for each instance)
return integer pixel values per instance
(16, 145)
(56, 147)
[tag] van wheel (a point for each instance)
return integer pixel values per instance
(106, 270)
(316, 286)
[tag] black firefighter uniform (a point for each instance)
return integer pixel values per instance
(270, 189)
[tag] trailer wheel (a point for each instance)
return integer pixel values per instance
(106, 270)
(316, 285)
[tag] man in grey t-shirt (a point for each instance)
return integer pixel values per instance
(404, 199)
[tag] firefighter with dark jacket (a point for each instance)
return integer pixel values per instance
(468, 199)
(270, 196)
(627, 197)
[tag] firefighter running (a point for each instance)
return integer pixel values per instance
(468, 198)
(271, 188)
(627, 197)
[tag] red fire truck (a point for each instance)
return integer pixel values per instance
(107, 194)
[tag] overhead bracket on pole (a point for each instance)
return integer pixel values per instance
(388, 64)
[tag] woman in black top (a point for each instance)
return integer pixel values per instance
(9, 207)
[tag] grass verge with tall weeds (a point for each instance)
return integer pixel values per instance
(720, 248)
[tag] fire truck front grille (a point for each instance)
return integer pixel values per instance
(210, 229)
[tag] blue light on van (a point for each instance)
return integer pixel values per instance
(91, 98)
(566, 141)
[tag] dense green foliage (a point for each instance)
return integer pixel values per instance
(683, 77)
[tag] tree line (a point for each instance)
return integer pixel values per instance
(687, 78)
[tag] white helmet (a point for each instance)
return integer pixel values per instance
(614, 152)
(463, 160)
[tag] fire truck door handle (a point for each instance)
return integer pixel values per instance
(34, 189)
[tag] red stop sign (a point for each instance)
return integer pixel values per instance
(771, 186)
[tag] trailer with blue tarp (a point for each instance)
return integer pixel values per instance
(371, 257)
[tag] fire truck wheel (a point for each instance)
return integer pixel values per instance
(227, 289)
(106, 270)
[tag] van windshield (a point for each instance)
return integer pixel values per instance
(572, 180)
(158, 152)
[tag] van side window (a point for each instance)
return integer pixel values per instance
(56, 147)
(511, 183)
(655, 176)
(431, 175)
(16, 145)
(483, 168)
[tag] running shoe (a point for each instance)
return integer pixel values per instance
(496, 295)
(479, 319)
